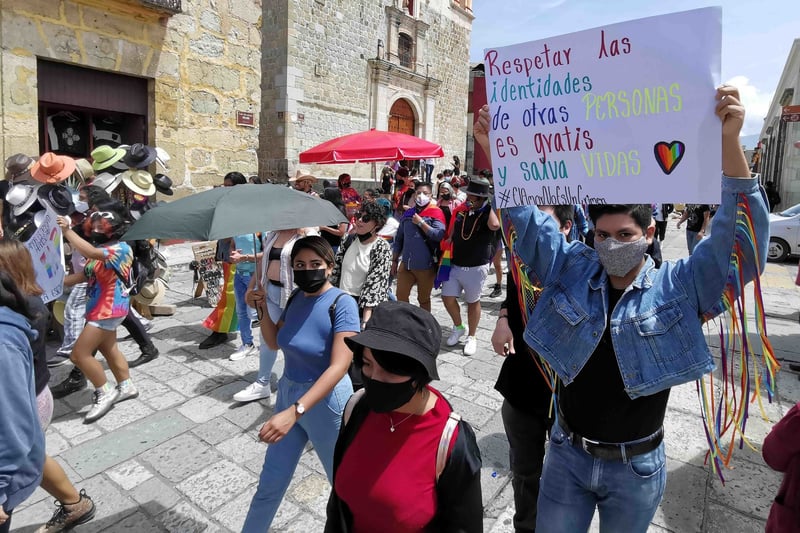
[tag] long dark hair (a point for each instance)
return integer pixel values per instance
(11, 297)
(334, 196)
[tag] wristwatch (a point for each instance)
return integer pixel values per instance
(299, 408)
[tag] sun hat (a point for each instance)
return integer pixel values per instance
(18, 168)
(21, 196)
(84, 170)
(107, 181)
(479, 186)
(52, 168)
(403, 329)
(57, 198)
(163, 184)
(302, 176)
(139, 156)
(162, 158)
(152, 291)
(139, 181)
(104, 156)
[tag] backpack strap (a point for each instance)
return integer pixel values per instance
(444, 442)
(351, 404)
(332, 308)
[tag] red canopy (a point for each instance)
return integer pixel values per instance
(369, 146)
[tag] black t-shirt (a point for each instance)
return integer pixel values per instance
(696, 217)
(596, 405)
(334, 240)
(520, 381)
(472, 239)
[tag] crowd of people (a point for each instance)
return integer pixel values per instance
(360, 359)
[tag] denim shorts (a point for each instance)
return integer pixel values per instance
(108, 324)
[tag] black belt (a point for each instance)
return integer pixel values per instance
(610, 451)
(276, 283)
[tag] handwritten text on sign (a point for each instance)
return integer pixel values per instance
(47, 251)
(618, 114)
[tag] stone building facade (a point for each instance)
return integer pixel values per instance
(171, 73)
(780, 136)
(334, 67)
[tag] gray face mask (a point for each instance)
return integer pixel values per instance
(619, 258)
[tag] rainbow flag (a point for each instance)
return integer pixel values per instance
(443, 274)
(223, 318)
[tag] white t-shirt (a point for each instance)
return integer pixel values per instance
(355, 265)
(389, 230)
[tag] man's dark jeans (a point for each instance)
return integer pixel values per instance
(526, 435)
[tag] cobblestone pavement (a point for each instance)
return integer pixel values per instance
(184, 457)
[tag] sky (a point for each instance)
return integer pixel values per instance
(756, 36)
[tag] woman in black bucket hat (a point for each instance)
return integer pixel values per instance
(403, 456)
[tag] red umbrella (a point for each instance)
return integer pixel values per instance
(371, 146)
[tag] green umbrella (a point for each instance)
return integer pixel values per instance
(228, 211)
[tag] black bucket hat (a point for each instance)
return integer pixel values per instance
(403, 329)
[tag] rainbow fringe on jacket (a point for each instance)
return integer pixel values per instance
(725, 412)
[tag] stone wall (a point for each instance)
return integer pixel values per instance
(205, 64)
(323, 89)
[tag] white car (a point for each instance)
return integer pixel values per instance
(784, 234)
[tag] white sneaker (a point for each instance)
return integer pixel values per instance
(254, 391)
(103, 402)
(243, 351)
(471, 346)
(126, 391)
(456, 336)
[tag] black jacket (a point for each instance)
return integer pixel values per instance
(458, 491)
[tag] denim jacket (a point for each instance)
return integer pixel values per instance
(656, 327)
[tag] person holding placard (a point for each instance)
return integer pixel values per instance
(615, 357)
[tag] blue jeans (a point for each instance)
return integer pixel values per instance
(320, 425)
(267, 356)
(691, 240)
(573, 483)
(244, 313)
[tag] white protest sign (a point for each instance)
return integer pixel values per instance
(47, 251)
(618, 114)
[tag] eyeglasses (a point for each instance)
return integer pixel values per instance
(97, 215)
(364, 217)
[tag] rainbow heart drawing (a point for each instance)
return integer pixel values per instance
(668, 155)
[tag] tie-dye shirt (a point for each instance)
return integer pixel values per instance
(106, 294)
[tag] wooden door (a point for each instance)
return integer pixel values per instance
(401, 118)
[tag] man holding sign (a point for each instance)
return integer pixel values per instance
(620, 333)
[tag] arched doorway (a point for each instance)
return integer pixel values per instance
(401, 118)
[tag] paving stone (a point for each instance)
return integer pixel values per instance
(287, 513)
(129, 474)
(681, 508)
(233, 514)
(217, 430)
(504, 522)
(165, 401)
(123, 414)
(216, 485)
(749, 488)
(249, 416)
(180, 457)
(722, 519)
(304, 523)
(154, 496)
(112, 504)
(473, 413)
(184, 518)
(55, 442)
(242, 448)
(104, 452)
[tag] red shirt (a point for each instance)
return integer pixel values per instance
(388, 480)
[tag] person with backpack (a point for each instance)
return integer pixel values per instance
(403, 456)
(108, 263)
(315, 385)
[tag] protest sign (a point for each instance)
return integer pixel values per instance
(47, 251)
(618, 114)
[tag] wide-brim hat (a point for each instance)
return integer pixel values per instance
(107, 181)
(479, 186)
(57, 198)
(403, 329)
(140, 156)
(139, 181)
(302, 176)
(17, 166)
(151, 291)
(52, 168)
(21, 196)
(163, 184)
(21, 227)
(84, 170)
(104, 156)
(162, 158)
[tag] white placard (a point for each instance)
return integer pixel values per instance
(617, 114)
(47, 251)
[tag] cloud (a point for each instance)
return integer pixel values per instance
(755, 101)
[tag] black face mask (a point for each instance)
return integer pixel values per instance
(383, 397)
(310, 280)
(445, 196)
(97, 237)
(365, 237)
